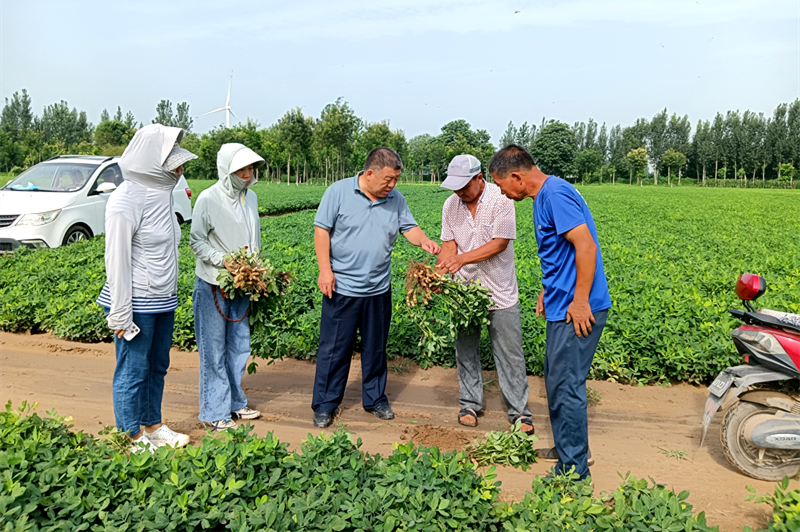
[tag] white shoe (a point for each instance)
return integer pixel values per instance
(142, 444)
(223, 424)
(246, 413)
(164, 435)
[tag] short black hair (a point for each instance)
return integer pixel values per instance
(382, 157)
(512, 158)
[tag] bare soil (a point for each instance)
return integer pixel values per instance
(629, 430)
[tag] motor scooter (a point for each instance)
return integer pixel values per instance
(760, 432)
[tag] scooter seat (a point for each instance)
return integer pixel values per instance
(786, 317)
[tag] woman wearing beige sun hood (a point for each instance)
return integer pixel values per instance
(225, 219)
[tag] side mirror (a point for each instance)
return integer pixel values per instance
(750, 287)
(105, 188)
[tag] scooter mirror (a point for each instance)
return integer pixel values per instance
(750, 287)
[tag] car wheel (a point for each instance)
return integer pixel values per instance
(76, 233)
(179, 217)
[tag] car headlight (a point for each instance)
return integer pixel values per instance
(41, 218)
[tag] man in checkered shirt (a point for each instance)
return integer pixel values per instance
(479, 226)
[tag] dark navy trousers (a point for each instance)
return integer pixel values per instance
(342, 317)
(567, 362)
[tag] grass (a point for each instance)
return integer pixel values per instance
(678, 454)
(273, 198)
(593, 396)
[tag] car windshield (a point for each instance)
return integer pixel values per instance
(54, 177)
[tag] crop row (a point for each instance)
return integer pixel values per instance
(55, 479)
(671, 257)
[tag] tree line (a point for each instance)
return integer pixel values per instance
(744, 149)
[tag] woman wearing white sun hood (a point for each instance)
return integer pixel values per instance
(140, 295)
(225, 219)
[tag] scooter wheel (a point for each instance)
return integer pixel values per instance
(756, 462)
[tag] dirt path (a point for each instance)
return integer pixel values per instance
(626, 429)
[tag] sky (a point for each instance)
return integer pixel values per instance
(418, 64)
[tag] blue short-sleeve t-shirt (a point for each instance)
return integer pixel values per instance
(362, 235)
(558, 208)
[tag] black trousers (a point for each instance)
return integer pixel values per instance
(342, 318)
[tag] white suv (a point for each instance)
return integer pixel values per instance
(63, 200)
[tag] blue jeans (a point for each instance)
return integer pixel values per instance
(139, 376)
(567, 362)
(342, 317)
(224, 348)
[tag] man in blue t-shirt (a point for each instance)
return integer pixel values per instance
(574, 298)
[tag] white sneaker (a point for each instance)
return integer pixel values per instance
(223, 424)
(164, 435)
(246, 413)
(142, 444)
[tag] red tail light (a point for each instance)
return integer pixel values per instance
(750, 287)
(189, 193)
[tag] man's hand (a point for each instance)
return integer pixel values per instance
(431, 247)
(580, 314)
(327, 283)
(540, 305)
(120, 333)
(452, 264)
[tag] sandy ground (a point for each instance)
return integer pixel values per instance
(627, 429)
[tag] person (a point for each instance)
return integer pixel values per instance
(356, 226)
(141, 292)
(574, 299)
(479, 226)
(225, 219)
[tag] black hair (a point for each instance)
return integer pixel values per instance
(510, 159)
(383, 157)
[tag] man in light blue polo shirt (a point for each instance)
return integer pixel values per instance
(357, 224)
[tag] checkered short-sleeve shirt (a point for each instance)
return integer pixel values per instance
(494, 218)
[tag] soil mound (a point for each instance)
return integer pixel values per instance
(446, 439)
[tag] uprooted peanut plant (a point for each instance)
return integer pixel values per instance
(438, 301)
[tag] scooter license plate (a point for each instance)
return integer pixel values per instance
(721, 384)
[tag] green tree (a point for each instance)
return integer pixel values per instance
(587, 162)
(60, 123)
(112, 133)
(616, 152)
(9, 151)
(673, 159)
(703, 148)
(554, 149)
(17, 115)
(786, 174)
(718, 143)
(334, 134)
(130, 121)
(164, 115)
(182, 118)
(295, 131)
(637, 163)
(375, 135)
(657, 141)
(104, 116)
(457, 138)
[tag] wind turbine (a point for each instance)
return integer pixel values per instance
(227, 108)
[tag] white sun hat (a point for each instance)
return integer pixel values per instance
(460, 170)
(177, 157)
